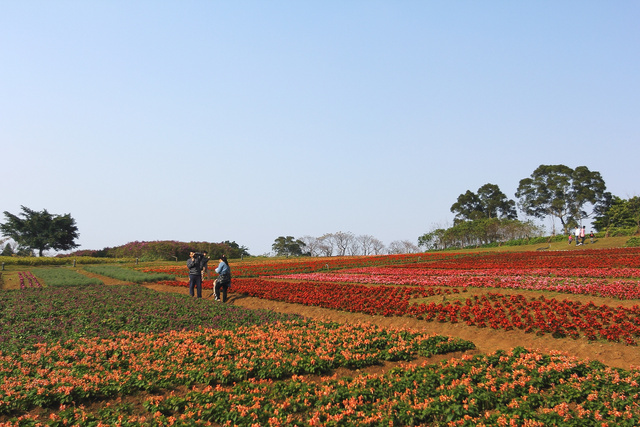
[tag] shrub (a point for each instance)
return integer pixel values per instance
(619, 231)
(633, 242)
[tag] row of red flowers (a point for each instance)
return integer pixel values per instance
(598, 258)
(539, 315)
(613, 263)
(621, 289)
(420, 270)
(28, 277)
(376, 300)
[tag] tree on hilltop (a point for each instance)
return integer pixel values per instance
(561, 192)
(41, 230)
(288, 246)
(618, 212)
(489, 202)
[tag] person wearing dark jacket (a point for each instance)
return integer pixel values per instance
(195, 274)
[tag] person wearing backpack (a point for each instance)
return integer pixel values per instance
(223, 282)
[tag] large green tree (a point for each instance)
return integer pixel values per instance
(561, 192)
(489, 202)
(41, 230)
(288, 246)
(618, 212)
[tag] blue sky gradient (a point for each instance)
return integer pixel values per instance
(249, 120)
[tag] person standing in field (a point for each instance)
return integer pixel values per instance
(205, 265)
(570, 237)
(195, 274)
(577, 234)
(223, 281)
(591, 236)
(582, 235)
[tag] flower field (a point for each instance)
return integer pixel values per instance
(398, 290)
(126, 355)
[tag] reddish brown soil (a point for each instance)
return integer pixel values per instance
(487, 340)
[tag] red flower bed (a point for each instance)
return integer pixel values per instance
(377, 300)
(542, 315)
(386, 285)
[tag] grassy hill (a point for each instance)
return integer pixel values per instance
(598, 243)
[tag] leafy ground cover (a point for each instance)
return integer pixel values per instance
(58, 373)
(61, 276)
(63, 313)
(519, 387)
(127, 274)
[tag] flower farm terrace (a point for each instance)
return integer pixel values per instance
(440, 339)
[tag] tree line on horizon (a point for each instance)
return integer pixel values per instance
(340, 243)
(570, 196)
(486, 216)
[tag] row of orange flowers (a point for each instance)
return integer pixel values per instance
(94, 368)
(519, 387)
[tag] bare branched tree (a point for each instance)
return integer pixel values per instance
(343, 240)
(365, 243)
(326, 244)
(312, 245)
(377, 247)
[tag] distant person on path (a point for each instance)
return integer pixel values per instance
(570, 238)
(195, 274)
(223, 282)
(591, 236)
(577, 234)
(582, 235)
(205, 265)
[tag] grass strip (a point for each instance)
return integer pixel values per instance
(62, 276)
(127, 275)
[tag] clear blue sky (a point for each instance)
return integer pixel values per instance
(249, 120)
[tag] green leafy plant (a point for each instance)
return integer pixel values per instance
(633, 242)
(62, 276)
(127, 275)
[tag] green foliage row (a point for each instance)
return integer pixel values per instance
(45, 261)
(618, 212)
(519, 388)
(529, 241)
(619, 231)
(633, 242)
(63, 277)
(59, 314)
(127, 275)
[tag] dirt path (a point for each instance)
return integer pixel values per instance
(487, 340)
